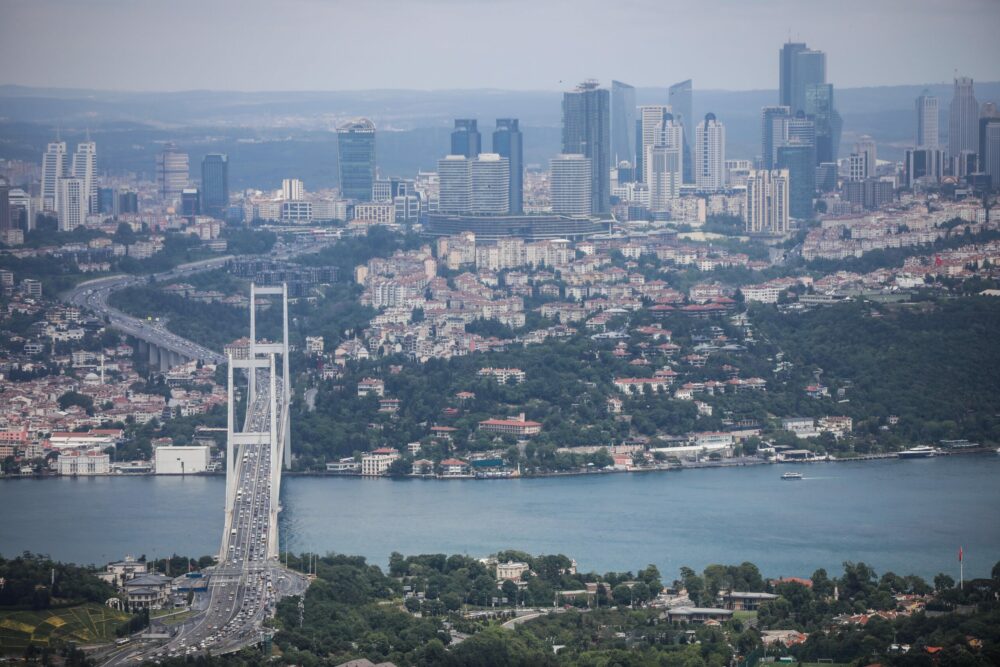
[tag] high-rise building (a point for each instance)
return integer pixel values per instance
(638, 172)
(866, 146)
(799, 67)
(820, 105)
(586, 131)
(989, 148)
(650, 122)
(826, 176)
(490, 180)
(570, 182)
(773, 130)
(800, 129)
(171, 173)
(356, 147)
(215, 184)
(963, 118)
(665, 174)
(5, 216)
(508, 143)
(922, 165)
(292, 189)
(465, 139)
(622, 122)
(54, 167)
(797, 159)
(766, 205)
(710, 154)
(681, 101)
(85, 168)
(71, 203)
(454, 184)
(856, 167)
(927, 120)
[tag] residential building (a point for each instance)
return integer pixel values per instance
(465, 138)
(697, 615)
(455, 184)
(356, 146)
(71, 203)
(865, 146)
(927, 120)
(215, 184)
(508, 143)
(766, 208)
(622, 122)
(378, 461)
(292, 189)
(503, 375)
(586, 131)
(664, 168)
(649, 127)
(710, 154)
(5, 213)
(570, 183)
(171, 173)
(963, 118)
(54, 167)
(85, 168)
(147, 591)
(369, 386)
(746, 601)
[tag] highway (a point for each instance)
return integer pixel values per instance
(245, 586)
(93, 295)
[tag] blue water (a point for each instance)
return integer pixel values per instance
(904, 516)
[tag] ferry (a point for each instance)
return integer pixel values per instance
(792, 475)
(921, 452)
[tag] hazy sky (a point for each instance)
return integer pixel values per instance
(511, 44)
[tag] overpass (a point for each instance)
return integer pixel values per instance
(249, 579)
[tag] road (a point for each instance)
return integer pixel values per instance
(94, 295)
(245, 586)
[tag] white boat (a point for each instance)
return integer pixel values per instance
(792, 475)
(921, 452)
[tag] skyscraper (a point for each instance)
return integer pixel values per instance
(772, 132)
(507, 142)
(622, 122)
(490, 182)
(963, 118)
(798, 68)
(797, 159)
(5, 217)
(215, 184)
(766, 205)
(680, 98)
(85, 168)
(586, 131)
(820, 105)
(710, 154)
(649, 124)
(171, 173)
(927, 120)
(356, 148)
(465, 139)
(71, 203)
(54, 167)
(665, 173)
(989, 148)
(570, 181)
(454, 184)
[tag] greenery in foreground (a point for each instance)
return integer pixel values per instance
(354, 610)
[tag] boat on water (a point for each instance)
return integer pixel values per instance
(921, 452)
(792, 475)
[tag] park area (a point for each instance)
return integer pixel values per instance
(84, 624)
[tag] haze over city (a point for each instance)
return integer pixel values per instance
(507, 44)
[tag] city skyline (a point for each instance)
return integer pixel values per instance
(303, 63)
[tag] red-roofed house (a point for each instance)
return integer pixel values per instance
(518, 427)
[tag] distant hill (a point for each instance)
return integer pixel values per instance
(271, 135)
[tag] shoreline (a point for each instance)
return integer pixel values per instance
(731, 463)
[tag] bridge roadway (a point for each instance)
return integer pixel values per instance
(245, 585)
